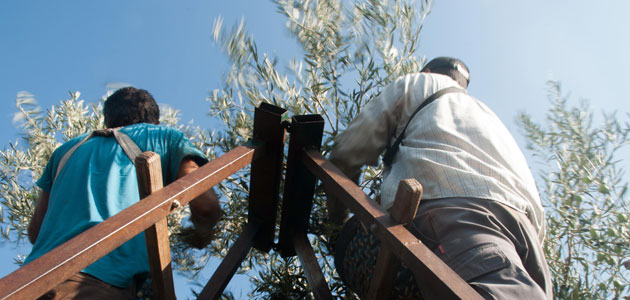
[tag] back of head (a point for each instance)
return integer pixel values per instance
(128, 106)
(452, 67)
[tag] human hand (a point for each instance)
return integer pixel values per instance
(197, 239)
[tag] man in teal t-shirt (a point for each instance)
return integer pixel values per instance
(98, 180)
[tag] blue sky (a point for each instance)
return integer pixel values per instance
(511, 47)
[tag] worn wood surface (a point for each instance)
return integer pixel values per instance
(407, 201)
(149, 173)
(52, 268)
(427, 267)
(309, 263)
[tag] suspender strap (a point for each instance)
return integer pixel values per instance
(388, 158)
(66, 156)
(128, 145)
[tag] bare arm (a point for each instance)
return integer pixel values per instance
(205, 209)
(38, 216)
(337, 211)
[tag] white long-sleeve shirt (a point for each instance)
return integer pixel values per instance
(455, 147)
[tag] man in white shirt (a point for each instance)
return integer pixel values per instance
(481, 212)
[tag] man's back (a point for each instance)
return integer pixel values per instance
(479, 197)
(459, 148)
(455, 146)
(98, 181)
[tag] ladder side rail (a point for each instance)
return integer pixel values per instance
(299, 185)
(149, 173)
(266, 174)
(306, 131)
(425, 265)
(39, 276)
(230, 263)
(313, 272)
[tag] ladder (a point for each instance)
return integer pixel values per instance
(265, 152)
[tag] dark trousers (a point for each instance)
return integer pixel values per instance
(83, 286)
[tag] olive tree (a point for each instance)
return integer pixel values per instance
(350, 49)
(584, 190)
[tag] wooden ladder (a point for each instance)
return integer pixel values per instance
(304, 167)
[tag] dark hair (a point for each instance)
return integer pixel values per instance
(451, 67)
(129, 106)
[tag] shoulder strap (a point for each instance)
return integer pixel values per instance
(128, 145)
(388, 158)
(67, 155)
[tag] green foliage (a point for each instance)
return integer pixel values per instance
(585, 194)
(43, 132)
(349, 51)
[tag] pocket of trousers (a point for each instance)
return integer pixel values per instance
(478, 261)
(423, 228)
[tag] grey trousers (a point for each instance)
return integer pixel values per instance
(490, 245)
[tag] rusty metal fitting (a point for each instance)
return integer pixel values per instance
(175, 204)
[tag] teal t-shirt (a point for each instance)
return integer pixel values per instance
(98, 181)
